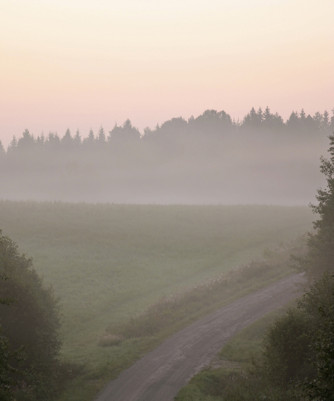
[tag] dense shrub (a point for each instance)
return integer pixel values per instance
(29, 342)
(321, 243)
(287, 349)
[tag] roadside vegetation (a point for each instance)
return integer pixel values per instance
(286, 356)
(295, 360)
(227, 371)
(29, 332)
(178, 310)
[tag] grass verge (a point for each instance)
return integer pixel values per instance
(129, 341)
(222, 379)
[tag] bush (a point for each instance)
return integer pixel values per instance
(286, 355)
(299, 349)
(29, 327)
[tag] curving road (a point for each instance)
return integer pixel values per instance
(160, 374)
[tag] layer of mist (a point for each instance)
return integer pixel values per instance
(205, 160)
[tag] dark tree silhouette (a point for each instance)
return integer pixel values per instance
(190, 159)
(321, 243)
(28, 325)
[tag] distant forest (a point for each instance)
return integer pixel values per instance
(208, 159)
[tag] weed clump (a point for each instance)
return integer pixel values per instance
(110, 340)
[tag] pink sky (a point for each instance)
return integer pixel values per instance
(82, 64)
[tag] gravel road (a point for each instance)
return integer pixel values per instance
(160, 374)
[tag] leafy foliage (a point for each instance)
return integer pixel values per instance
(319, 304)
(5, 367)
(321, 244)
(29, 328)
(286, 351)
(300, 345)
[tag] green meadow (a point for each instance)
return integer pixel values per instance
(108, 264)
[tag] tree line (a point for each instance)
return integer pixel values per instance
(207, 159)
(210, 122)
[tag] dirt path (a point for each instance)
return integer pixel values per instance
(160, 374)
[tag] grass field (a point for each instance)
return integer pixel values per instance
(109, 263)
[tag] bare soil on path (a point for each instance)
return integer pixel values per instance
(161, 373)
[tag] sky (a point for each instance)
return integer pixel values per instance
(84, 64)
